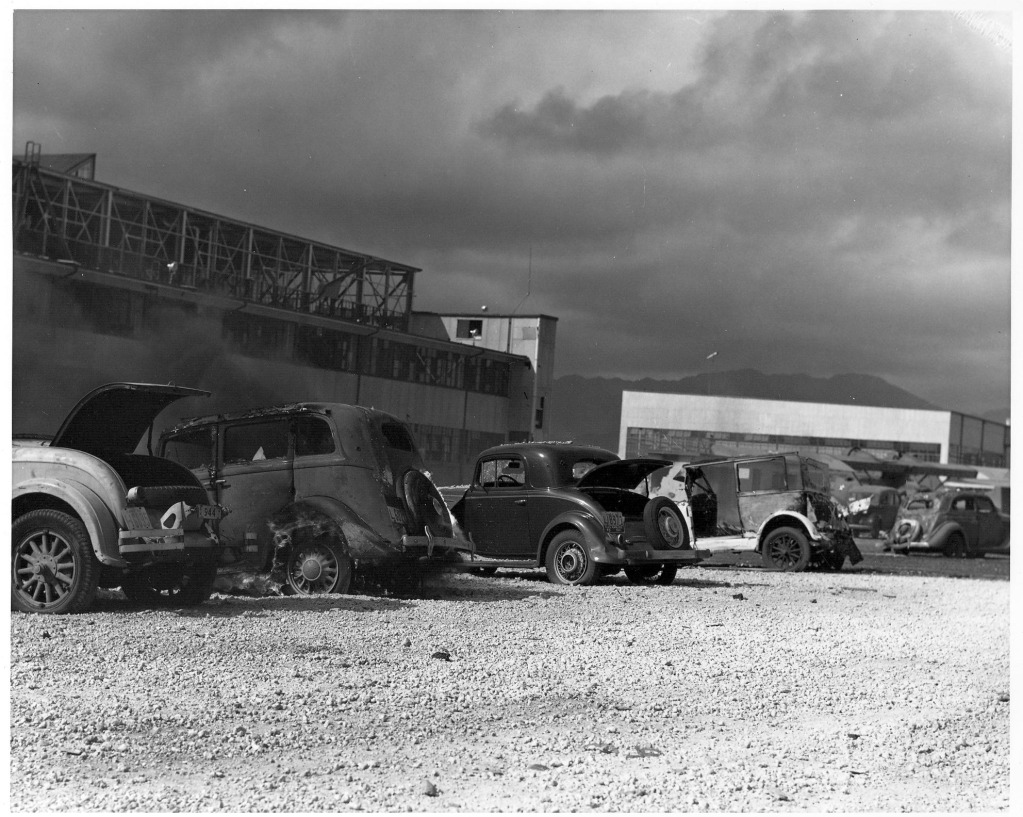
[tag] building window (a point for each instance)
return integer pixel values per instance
(469, 328)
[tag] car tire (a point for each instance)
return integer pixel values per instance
(906, 532)
(664, 526)
(316, 566)
(786, 549)
(651, 574)
(955, 546)
(53, 568)
(568, 560)
(425, 505)
(171, 585)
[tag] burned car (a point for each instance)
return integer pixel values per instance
(578, 511)
(959, 524)
(88, 511)
(778, 505)
(872, 509)
(312, 490)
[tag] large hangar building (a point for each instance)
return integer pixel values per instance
(685, 426)
(112, 285)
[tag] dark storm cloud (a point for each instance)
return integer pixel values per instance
(817, 192)
(610, 125)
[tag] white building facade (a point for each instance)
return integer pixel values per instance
(686, 426)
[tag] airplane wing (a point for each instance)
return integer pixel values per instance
(898, 468)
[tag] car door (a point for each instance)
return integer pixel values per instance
(962, 511)
(496, 509)
(254, 480)
(990, 531)
(714, 502)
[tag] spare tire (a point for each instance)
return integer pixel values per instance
(664, 526)
(906, 532)
(425, 505)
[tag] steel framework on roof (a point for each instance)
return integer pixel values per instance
(103, 228)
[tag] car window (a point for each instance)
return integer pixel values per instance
(503, 472)
(962, 503)
(192, 449)
(255, 442)
(397, 436)
(581, 468)
(984, 505)
(762, 475)
(313, 437)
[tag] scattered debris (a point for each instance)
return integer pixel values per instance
(537, 767)
(739, 597)
(644, 750)
(441, 655)
(1003, 697)
(429, 789)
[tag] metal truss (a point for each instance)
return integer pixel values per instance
(110, 230)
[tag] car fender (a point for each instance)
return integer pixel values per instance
(940, 535)
(88, 506)
(324, 512)
(787, 519)
(590, 529)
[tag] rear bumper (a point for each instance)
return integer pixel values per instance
(165, 542)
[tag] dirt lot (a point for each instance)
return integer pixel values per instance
(729, 691)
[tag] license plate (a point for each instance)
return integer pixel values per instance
(614, 521)
(209, 511)
(136, 518)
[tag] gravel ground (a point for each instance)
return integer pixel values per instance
(744, 691)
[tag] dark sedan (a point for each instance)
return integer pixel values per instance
(576, 510)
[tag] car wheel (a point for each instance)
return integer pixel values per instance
(955, 546)
(426, 507)
(318, 566)
(568, 560)
(171, 585)
(53, 569)
(664, 525)
(786, 549)
(651, 574)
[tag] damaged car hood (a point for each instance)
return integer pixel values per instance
(115, 416)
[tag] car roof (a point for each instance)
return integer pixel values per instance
(540, 448)
(309, 407)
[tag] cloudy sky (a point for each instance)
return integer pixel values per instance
(813, 192)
